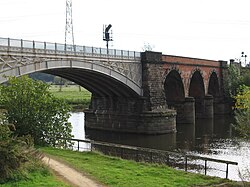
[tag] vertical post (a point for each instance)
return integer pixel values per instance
(34, 46)
(227, 171)
(55, 47)
(65, 143)
(91, 149)
(74, 48)
(78, 146)
(22, 45)
(137, 156)
(8, 42)
(84, 50)
(185, 162)
(168, 159)
(205, 167)
(121, 152)
(45, 46)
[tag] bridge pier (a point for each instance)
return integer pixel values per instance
(204, 107)
(188, 111)
(222, 106)
(208, 107)
(127, 115)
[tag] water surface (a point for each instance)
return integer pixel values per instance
(210, 138)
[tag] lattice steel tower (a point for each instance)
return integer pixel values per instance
(69, 34)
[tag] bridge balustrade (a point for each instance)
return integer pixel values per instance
(47, 47)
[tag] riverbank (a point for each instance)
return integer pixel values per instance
(112, 171)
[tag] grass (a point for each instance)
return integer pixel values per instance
(117, 172)
(34, 174)
(72, 94)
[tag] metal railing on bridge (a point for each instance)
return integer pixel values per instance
(56, 48)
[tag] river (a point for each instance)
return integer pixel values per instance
(210, 138)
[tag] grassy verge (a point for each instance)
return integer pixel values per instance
(34, 174)
(117, 172)
(72, 94)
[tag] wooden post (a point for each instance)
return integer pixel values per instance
(78, 145)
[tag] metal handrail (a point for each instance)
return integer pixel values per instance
(151, 151)
(67, 48)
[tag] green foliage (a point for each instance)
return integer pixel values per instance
(118, 172)
(242, 113)
(233, 81)
(13, 151)
(35, 111)
(246, 76)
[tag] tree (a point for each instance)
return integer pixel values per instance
(233, 81)
(147, 47)
(35, 111)
(246, 77)
(242, 113)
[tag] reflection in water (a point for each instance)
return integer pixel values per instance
(210, 138)
(164, 141)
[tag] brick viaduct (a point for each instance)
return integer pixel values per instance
(175, 90)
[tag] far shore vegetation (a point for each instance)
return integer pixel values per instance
(75, 95)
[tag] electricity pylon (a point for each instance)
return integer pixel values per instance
(69, 34)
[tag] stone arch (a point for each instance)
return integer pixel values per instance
(213, 85)
(76, 70)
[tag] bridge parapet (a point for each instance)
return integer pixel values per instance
(20, 57)
(26, 46)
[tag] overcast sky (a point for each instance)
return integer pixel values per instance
(210, 29)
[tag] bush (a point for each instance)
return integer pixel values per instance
(242, 112)
(35, 111)
(13, 151)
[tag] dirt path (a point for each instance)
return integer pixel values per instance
(69, 174)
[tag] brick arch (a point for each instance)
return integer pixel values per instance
(213, 86)
(195, 72)
(174, 87)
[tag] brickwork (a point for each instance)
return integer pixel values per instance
(187, 66)
(150, 113)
